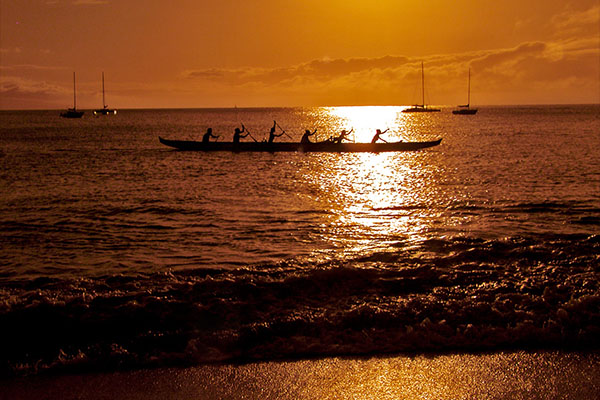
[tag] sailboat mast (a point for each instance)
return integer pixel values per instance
(74, 93)
(469, 90)
(421, 107)
(103, 99)
(422, 85)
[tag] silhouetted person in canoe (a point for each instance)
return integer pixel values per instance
(272, 134)
(343, 136)
(238, 134)
(307, 134)
(208, 135)
(378, 136)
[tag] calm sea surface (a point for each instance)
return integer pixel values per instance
(117, 251)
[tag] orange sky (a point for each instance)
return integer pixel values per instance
(190, 53)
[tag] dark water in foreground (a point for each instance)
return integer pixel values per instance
(117, 252)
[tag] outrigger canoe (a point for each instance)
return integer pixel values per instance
(329, 147)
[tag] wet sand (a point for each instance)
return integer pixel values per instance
(504, 375)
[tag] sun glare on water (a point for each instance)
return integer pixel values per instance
(375, 196)
(366, 120)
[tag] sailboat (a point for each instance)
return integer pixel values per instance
(421, 107)
(466, 109)
(104, 110)
(72, 112)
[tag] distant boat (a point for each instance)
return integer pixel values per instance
(104, 110)
(72, 112)
(421, 107)
(466, 109)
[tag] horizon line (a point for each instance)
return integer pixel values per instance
(299, 106)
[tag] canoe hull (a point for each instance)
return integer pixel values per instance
(327, 147)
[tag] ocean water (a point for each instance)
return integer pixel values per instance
(118, 252)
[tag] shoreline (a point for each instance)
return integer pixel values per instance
(500, 375)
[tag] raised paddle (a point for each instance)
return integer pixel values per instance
(283, 130)
(383, 140)
(249, 133)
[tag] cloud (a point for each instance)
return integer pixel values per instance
(389, 68)
(89, 2)
(79, 2)
(507, 57)
(563, 66)
(322, 69)
(572, 22)
(29, 67)
(533, 71)
(16, 92)
(13, 50)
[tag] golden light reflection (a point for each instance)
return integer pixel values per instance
(366, 120)
(377, 201)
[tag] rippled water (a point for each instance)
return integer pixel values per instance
(130, 253)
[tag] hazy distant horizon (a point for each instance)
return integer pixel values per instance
(444, 107)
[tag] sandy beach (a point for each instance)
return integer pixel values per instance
(503, 375)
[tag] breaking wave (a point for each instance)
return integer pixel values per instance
(443, 294)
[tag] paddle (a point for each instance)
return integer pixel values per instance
(348, 134)
(249, 133)
(385, 141)
(282, 130)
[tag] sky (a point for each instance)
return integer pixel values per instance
(261, 53)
